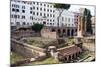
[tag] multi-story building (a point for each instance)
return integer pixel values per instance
(26, 13)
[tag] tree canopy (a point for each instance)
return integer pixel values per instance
(62, 6)
(88, 16)
(37, 27)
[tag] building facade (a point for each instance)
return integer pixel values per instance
(27, 13)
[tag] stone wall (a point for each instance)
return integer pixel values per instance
(27, 50)
(22, 33)
(64, 31)
(46, 33)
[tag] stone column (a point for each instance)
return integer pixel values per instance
(80, 25)
(85, 25)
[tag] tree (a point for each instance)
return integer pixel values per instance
(37, 27)
(61, 8)
(87, 15)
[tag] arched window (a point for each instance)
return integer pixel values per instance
(59, 31)
(53, 30)
(72, 32)
(24, 23)
(64, 30)
(68, 32)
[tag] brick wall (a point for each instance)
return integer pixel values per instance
(26, 50)
(46, 33)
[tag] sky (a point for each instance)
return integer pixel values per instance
(75, 8)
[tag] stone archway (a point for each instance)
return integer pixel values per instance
(72, 32)
(64, 30)
(69, 58)
(68, 32)
(73, 57)
(59, 31)
(53, 30)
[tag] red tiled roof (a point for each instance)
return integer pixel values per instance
(70, 50)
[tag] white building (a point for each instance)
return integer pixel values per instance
(26, 13)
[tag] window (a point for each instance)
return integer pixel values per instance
(44, 22)
(17, 6)
(50, 10)
(24, 23)
(17, 23)
(23, 11)
(44, 4)
(40, 14)
(30, 8)
(41, 4)
(68, 19)
(30, 12)
(50, 20)
(13, 9)
(11, 16)
(33, 13)
(53, 10)
(37, 13)
(44, 14)
(23, 17)
(33, 2)
(50, 15)
(40, 8)
(11, 22)
(32, 18)
(18, 1)
(24, 2)
(30, 23)
(33, 22)
(53, 15)
(23, 7)
(33, 7)
(27, 23)
(53, 20)
(30, 3)
(44, 9)
(12, 5)
(50, 23)
(47, 19)
(37, 8)
(15, 16)
(37, 3)
(17, 10)
(48, 5)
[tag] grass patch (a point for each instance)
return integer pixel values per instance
(83, 54)
(47, 61)
(40, 42)
(14, 57)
